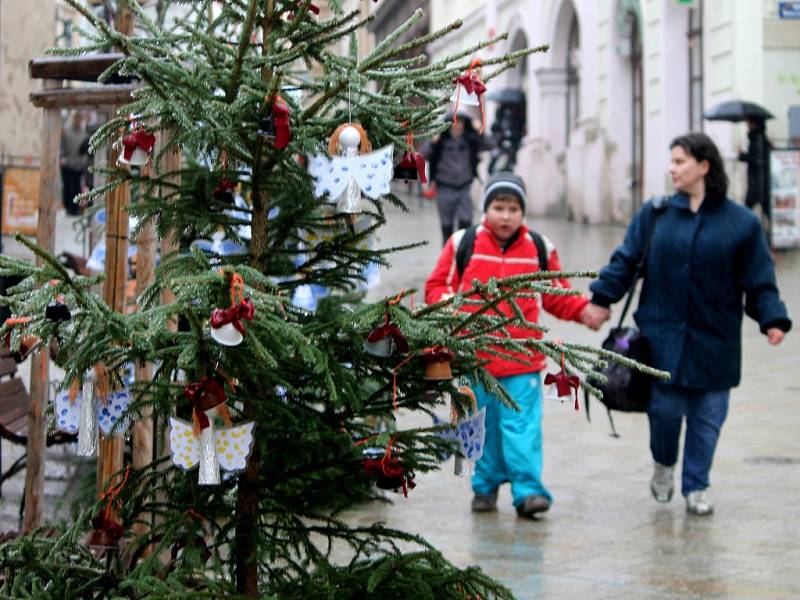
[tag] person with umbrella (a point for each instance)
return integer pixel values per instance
(758, 149)
(757, 159)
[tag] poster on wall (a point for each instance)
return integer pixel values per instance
(785, 198)
(20, 200)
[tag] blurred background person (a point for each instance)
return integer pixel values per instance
(757, 159)
(453, 157)
(74, 161)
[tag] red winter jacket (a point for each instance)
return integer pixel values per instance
(488, 260)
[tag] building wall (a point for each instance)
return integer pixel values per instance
(585, 173)
(22, 38)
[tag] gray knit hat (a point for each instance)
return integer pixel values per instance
(504, 183)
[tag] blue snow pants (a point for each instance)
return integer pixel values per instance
(513, 448)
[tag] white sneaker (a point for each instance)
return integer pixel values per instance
(698, 503)
(661, 483)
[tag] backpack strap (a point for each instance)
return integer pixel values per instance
(660, 204)
(541, 249)
(464, 241)
(465, 245)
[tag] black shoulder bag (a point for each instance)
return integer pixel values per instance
(627, 389)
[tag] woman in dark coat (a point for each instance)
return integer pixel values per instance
(708, 264)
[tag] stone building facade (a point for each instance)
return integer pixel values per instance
(621, 79)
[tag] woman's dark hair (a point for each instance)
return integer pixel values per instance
(700, 147)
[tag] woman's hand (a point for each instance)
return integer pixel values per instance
(775, 336)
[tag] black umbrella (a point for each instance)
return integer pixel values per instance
(507, 96)
(737, 111)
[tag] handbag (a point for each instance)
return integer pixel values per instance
(627, 389)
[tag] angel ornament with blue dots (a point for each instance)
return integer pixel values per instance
(353, 169)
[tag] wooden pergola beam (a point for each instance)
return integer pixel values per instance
(92, 96)
(74, 68)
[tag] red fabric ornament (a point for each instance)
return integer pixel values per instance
(436, 354)
(472, 84)
(233, 315)
(280, 118)
(389, 473)
(563, 382)
(412, 161)
(224, 191)
(204, 395)
(138, 139)
(389, 330)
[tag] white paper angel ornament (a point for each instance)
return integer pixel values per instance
(352, 170)
(89, 412)
(201, 443)
(468, 431)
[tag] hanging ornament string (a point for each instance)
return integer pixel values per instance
(103, 521)
(472, 83)
(110, 495)
(399, 366)
(237, 289)
(349, 103)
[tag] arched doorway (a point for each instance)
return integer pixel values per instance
(629, 31)
(573, 65)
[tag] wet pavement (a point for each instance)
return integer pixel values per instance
(605, 537)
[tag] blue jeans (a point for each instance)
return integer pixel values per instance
(705, 412)
(512, 450)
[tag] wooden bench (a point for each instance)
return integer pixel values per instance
(14, 404)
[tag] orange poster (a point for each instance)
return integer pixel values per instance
(20, 199)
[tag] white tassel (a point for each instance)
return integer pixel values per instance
(209, 465)
(87, 425)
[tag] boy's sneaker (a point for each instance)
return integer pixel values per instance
(661, 483)
(533, 505)
(698, 503)
(484, 502)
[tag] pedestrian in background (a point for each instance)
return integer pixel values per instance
(757, 159)
(74, 161)
(502, 247)
(453, 157)
(708, 263)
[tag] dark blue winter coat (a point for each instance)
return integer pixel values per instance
(703, 271)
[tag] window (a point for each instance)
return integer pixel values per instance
(694, 36)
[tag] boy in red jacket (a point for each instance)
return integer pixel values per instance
(513, 447)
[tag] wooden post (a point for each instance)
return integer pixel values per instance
(46, 238)
(110, 448)
(110, 455)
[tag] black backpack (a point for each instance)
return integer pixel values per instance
(466, 246)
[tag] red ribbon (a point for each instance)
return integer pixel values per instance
(280, 118)
(563, 382)
(437, 354)
(195, 392)
(138, 139)
(234, 315)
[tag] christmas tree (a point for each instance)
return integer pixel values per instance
(283, 409)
